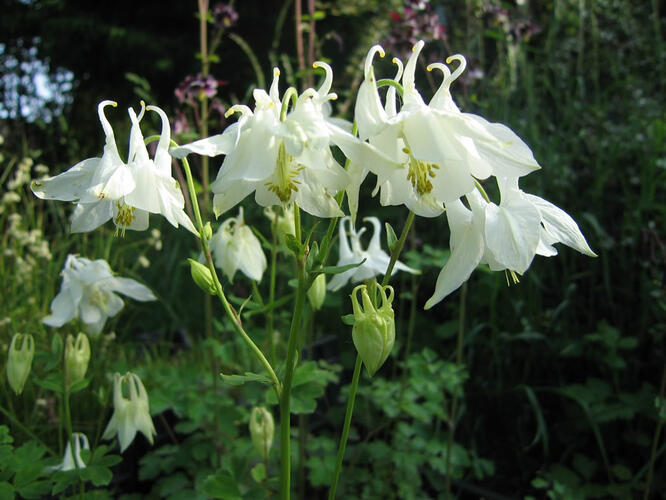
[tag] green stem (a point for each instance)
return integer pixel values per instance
(68, 424)
(395, 253)
(398, 248)
(271, 292)
(231, 313)
(285, 401)
(345, 428)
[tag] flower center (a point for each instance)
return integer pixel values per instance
(124, 218)
(283, 182)
(420, 173)
(99, 298)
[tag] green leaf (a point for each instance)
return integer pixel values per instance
(79, 385)
(38, 489)
(293, 244)
(312, 256)
(6, 490)
(63, 479)
(221, 485)
(258, 472)
(247, 377)
(391, 238)
(52, 382)
(98, 475)
(348, 319)
(340, 269)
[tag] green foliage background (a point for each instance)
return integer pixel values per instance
(560, 372)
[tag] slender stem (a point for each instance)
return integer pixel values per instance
(454, 403)
(271, 292)
(285, 399)
(395, 253)
(68, 423)
(231, 313)
(657, 434)
(345, 428)
(398, 248)
(298, 14)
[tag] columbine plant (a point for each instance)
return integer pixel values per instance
(430, 157)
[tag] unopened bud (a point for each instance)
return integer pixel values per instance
(317, 292)
(77, 356)
(19, 361)
(262, 429)
(208, 231)
(374, 327)
(202, 276)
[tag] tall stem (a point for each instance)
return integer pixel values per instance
(285, 399)
(395, 253)
(228, 309)
(345, 428)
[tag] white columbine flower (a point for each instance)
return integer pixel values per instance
(108, 188)
(130, 414)
(234, 246)
(282, 159)
(505, 236)
(97, 185)
(351, 252)
(88, 292)
(73, 459)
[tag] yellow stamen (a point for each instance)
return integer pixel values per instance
(124, 218)
(285, 172)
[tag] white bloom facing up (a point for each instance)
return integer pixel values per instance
(88, 292)
(130, 414)
(72, 460)
(234, 246)
(351, 252)
(108, 188)
(505, 236)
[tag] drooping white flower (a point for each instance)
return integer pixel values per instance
(88, 292)
(351, 252)
(426, 165)
(491, 148)
(505, 236)
(234, 246)
(108, 188)
(282, 160)
(156, 190)
(97, 185)
(72, 459)
(131, 413)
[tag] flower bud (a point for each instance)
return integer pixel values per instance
(208, 231)
(317, 292)
(262, 429)
(374, 327)
(284, 224)
(77, 356)
(19, 361)
(202, 276)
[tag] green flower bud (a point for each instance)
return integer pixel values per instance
(374, 327)
(20, 361)
(208, 231)
(202, 276)
(284, 223)
(262, 429)
(317, 292)
(77, 356)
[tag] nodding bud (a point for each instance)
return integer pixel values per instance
(202, 276)
(77, 356)
(317, 292)
(374, 325)
(19, 361)
(262, 429)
